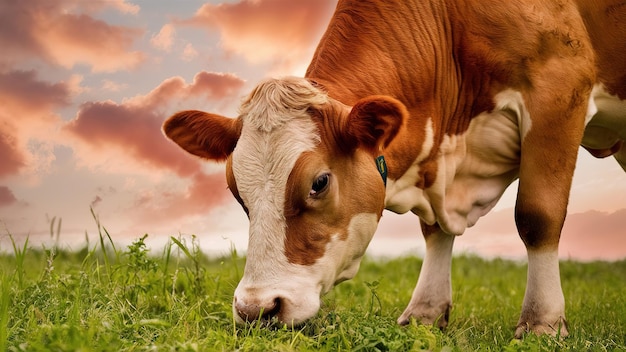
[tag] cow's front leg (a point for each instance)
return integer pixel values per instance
(543, 310)
(548, 158)
(432, 298)
(539, 214)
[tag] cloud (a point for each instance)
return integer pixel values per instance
(50, 31)
(27, 118)
(75, 39)
(121, 138)
(24, 95)
(584, 236)
(281, 32)
(111, 86)
(594, 235)
(211, 86)
(189, 53)
(124, 7)
(203, 193)
(164, 39)
(94, 6)
(6, 197)
(127, 136)
(13, 159)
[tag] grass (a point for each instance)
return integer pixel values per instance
(132, 299)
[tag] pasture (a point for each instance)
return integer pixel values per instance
(109, 298)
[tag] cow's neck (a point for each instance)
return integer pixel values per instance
(360, 56)
(392, 53)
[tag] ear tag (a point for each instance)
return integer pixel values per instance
(382, 168)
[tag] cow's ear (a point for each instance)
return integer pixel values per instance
(374, 121)
(206, 135)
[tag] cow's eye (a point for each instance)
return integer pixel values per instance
(319, 185)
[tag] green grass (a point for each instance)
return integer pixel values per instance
(111, 299)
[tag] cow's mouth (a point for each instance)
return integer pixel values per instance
(263, 315)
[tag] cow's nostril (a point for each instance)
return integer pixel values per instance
(269, 313)
(252, 312)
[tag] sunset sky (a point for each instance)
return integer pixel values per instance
(85, 86)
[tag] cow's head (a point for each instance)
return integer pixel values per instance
(303, 167)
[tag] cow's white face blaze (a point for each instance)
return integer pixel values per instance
(303, 167)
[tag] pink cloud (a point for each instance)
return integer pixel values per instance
(282, 32)
(6, 197)
(203, 194)
(594, 235)
(215, 86)
(111, 86)
(189, 53)
(12, 157)
(24, 95)
(95, 6)
(126, 138)
(211, 86)
(584, 236)
(46, 29)
(26, 119)
(165, 38)
(132, 130)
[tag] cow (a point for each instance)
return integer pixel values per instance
(433, 107)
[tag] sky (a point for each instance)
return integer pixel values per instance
(85, 86)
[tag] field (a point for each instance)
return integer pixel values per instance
(104, 298)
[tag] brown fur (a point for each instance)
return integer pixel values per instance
(448, 59)
(205, 135)
(400, 64)
(350, 142)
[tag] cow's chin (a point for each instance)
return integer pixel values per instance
(349, 252)
(349, 273)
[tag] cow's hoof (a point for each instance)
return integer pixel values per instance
(557, 329)
(427, 315)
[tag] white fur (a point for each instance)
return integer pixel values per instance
(433, 292)
(512, 101)
(607, 125)
(342, 258)
(543, 289)
(474, 168)
(592, 108)
(271, 141)
(402, 195)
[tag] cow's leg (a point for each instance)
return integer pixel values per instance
(432, 298)
(548, 158)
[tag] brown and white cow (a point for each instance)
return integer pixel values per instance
(461, 98)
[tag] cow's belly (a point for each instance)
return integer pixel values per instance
(608, 125)
(474, 169)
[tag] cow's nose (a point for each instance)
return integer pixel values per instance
(252, 311)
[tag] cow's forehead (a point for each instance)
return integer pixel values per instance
(277, 129)
(262, 161)
(275, 102)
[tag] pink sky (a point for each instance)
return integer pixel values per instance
(86, 85)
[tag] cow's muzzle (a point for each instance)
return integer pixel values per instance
(264, 312)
